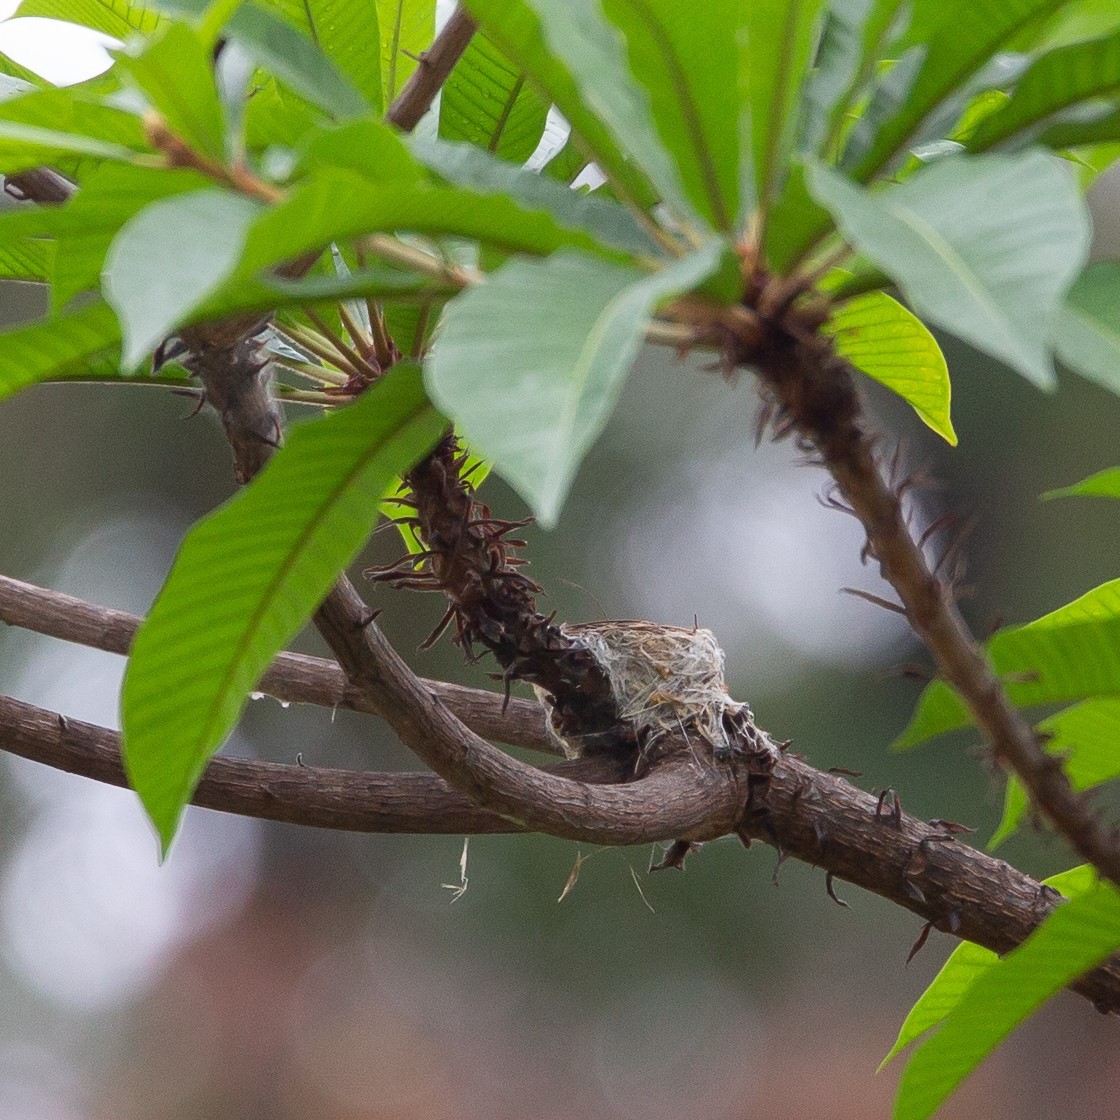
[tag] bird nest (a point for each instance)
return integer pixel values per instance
(668, 684)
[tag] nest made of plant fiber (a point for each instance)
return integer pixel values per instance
(667, 682)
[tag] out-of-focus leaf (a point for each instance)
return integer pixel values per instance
(168, 258)
(965, 964)
(1073, 939)
(114, 17)
(407, 28)
(1087, 333)
(1103, 484)
(575, 59)
(76, 111)
(24, 146)
(307, 514)
(1070, 654)
(29, 259)
(488, 103)
(776, 55)
(1086, 738)
(608, 222)
(174, 72)
(888, 343)
(995, 276)
(55, 346)
(371, 148)
(529, 364)
(685, 56)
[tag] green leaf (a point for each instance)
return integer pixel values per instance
(957, 38)
(1070, 654)
(113, 17)
(888, 343)
(174, 72)
(168, 258)
(608, 222)
(685, 57)
(24, 146)
(1085, 737)
(984, 246)
(780, 39)
(55, 346)
(371, 148)
(407, 28)
(487, 102)
(274, 550)
(1087, 333)
(965, 964)
(28, 259)
(1103, 484)
(575, 59)
(1073, 939)
(1058, 80)
(529, 364)
(76, 110)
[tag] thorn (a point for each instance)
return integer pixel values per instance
(299, 758)
(896, 815)
(844, 770)
(675, 856)
(366, 619)
(943, 522)
(828, 886)
(878, 600)
(63, 724)
(913, 890)
(436, 634)
(783, 855)
(919, 941)
(951, 827)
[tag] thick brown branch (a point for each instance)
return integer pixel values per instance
(819, 817)
(436, 63)
(293, 677)
(816, 397)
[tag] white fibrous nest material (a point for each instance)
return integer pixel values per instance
(667, 681)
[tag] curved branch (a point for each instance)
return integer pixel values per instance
(820, 818)
(294, 677)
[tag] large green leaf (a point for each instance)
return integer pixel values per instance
(371, 148)
(1070, 654)
(529, 364)
(608, 222)
(884, 340)
(965, 964)
(685, 56)
(24, 146)
(78, 111)
(956, 39)
(407, 28)
(1063, 78)
(54, 347)
(984, 246)
(1074, 938)
(114, 17)
(168, 258)
(28, 258)
(274, 551)
(778, 48)
(487, 102)
(1087, 739)
(1087, 333)
(1103, 484)
(174, 72)
(575, 59)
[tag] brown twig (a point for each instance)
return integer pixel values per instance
(436, 63)
(820, 818)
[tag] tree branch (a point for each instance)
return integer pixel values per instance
(815, 395)
(820, 818)
(293, 677)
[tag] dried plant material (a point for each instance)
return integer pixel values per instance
(667, 682)
(460, 888)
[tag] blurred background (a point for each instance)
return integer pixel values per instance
(268, 971)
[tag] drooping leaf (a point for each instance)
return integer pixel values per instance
(776, 54)
(174, 72)
(306, 515)
(487, 102)
(1103, 484)
(1057, 81)
(575, 59)
(965, 964)
(1074, 938)
(888, 343)
(957, 38)
(529, 364)
(1087, 332)
(685, 56)
(55, 346)
(609, 222)
(168, 258)
(1086, 738)
(993, 275)
(407, 28)
(1070, 654)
